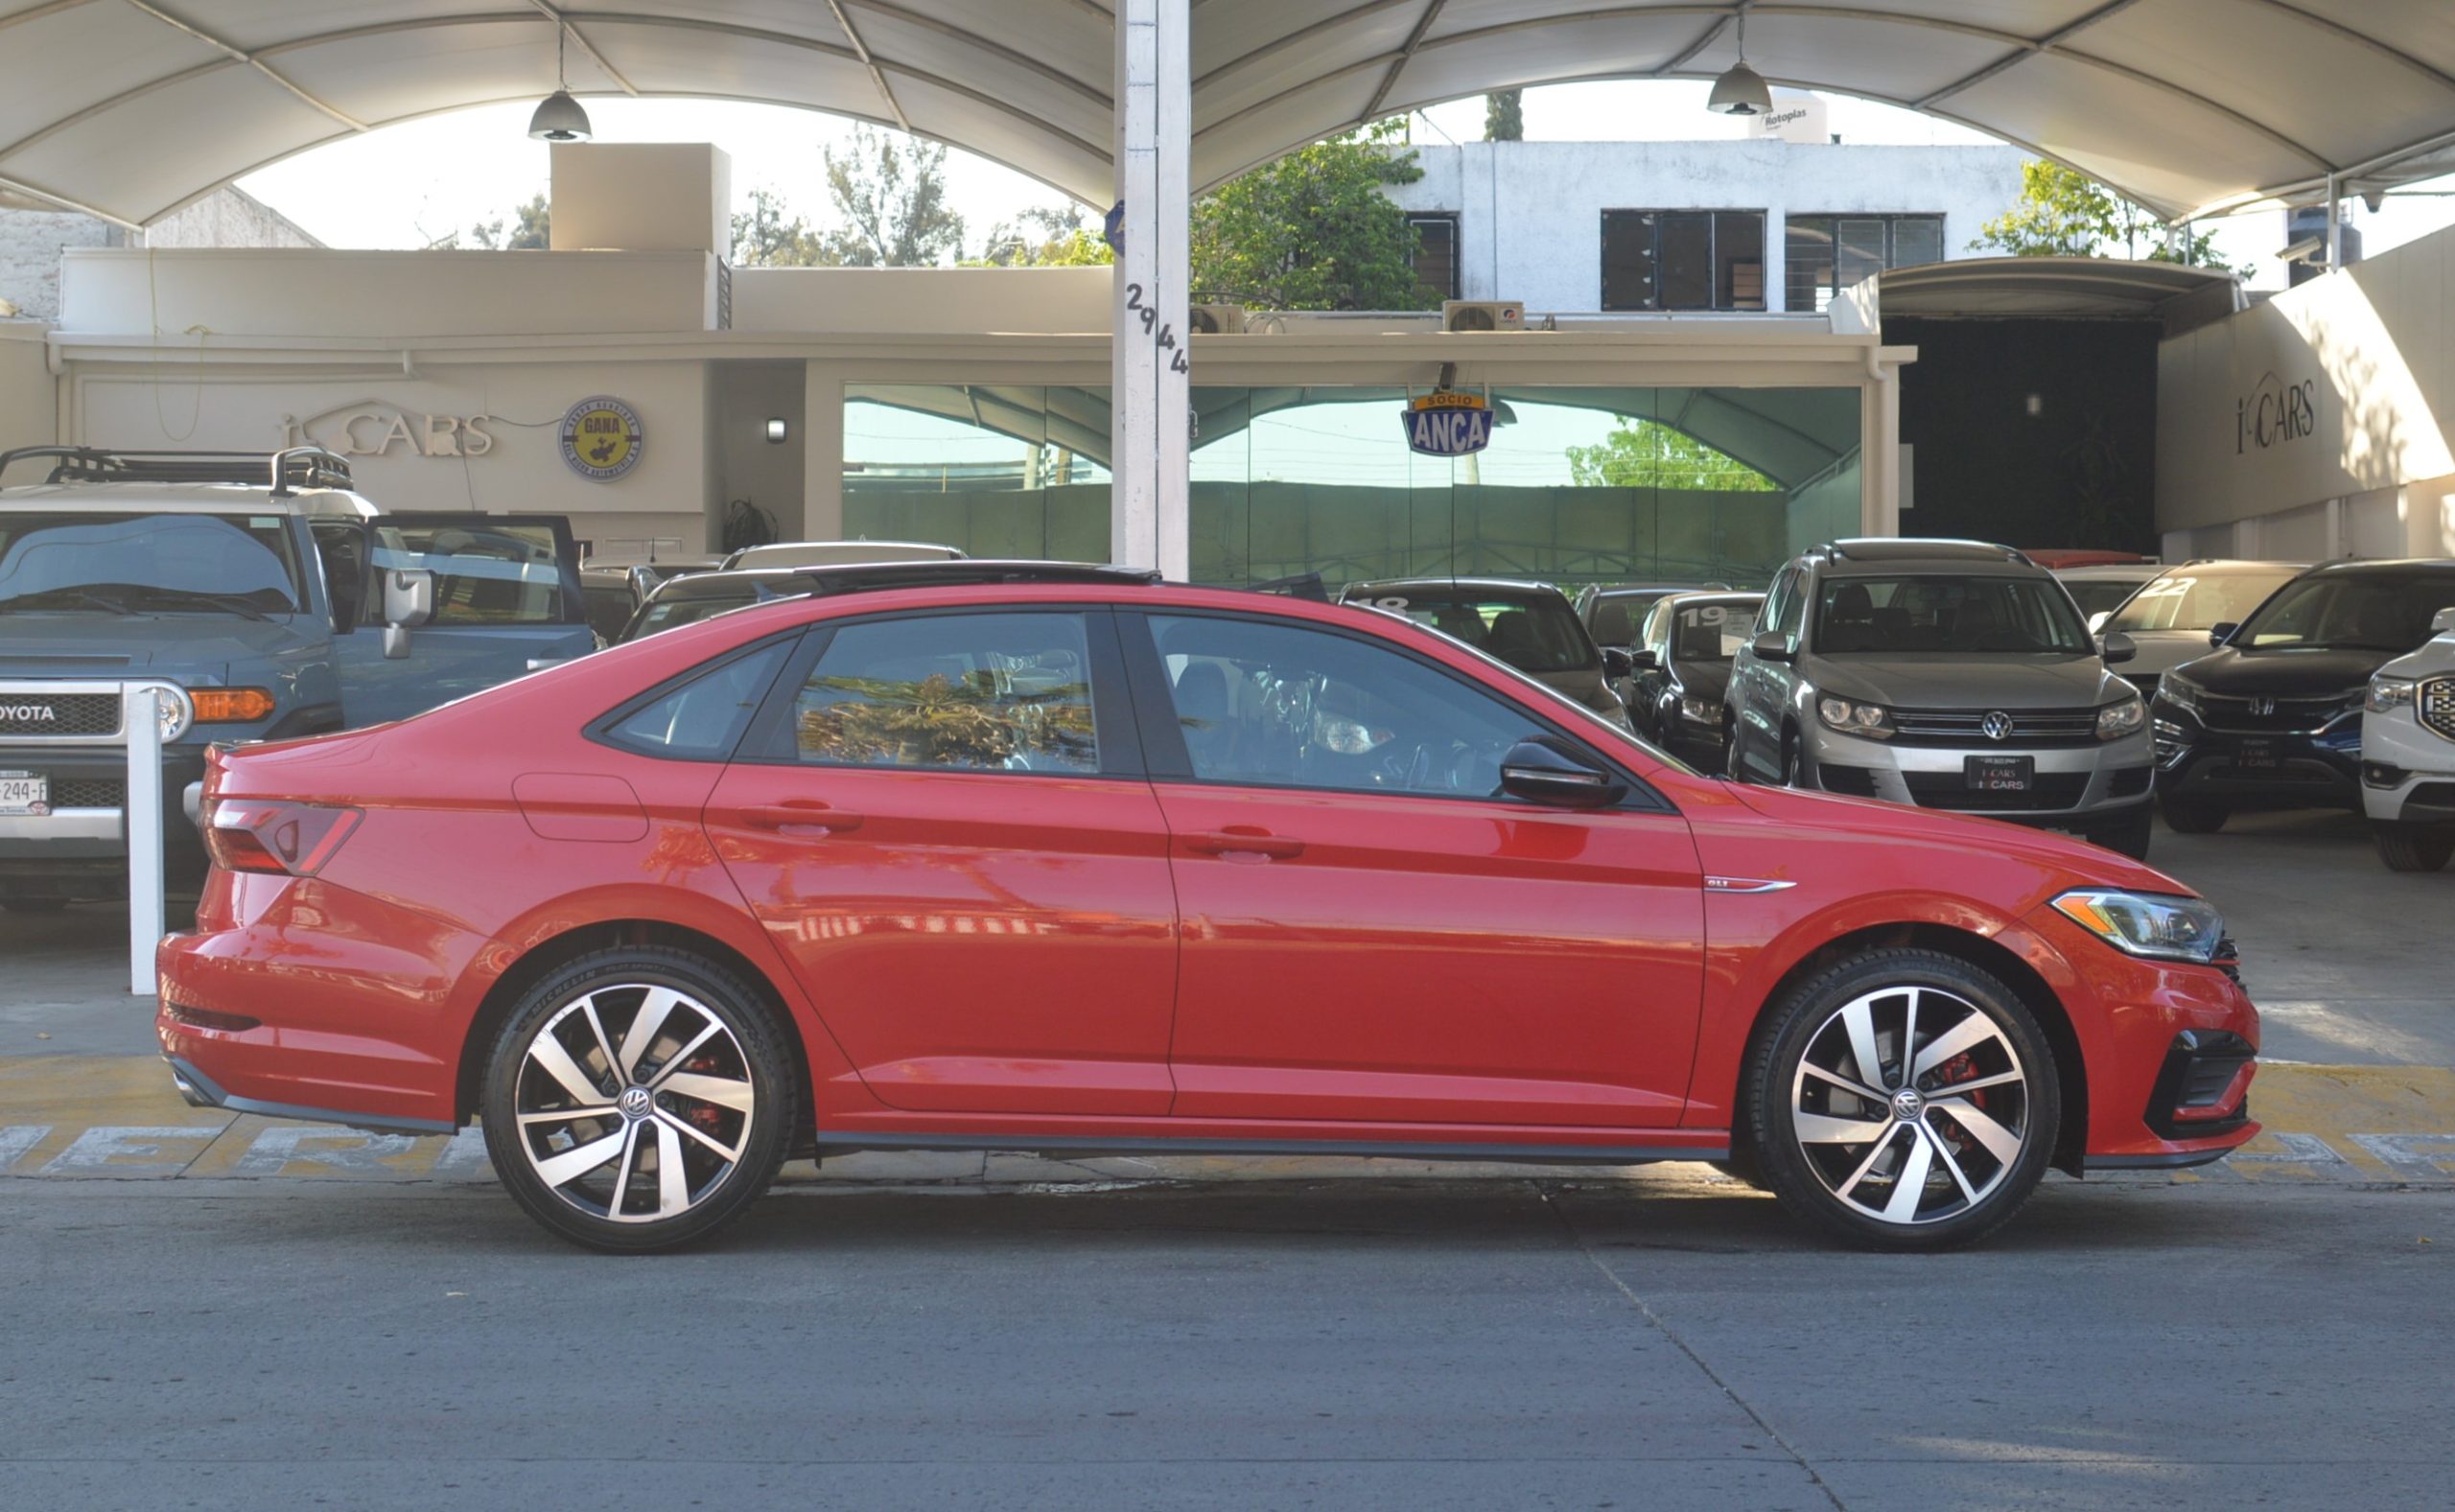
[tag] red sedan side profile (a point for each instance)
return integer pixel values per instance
(1024, 856)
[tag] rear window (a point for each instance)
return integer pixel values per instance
(487, 571)
(235, 563)
(1530, 633)
(702, 719)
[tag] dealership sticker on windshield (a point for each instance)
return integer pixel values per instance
(602, 438)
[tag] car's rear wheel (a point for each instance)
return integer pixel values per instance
(2414, 848)
(1903, 1100)
(2192, 816)
(638, 1099)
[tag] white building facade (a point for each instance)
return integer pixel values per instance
(1766, 226)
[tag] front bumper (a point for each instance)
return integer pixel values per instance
(2077, 787)
(2407, 773)
(2257, 769)
(80, 848)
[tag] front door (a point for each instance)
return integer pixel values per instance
(946, 831)
(1371, 934)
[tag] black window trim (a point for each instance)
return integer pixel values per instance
(1169, 762)
(765, 740)
(601, 730)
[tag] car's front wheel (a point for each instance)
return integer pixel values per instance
(638, 1099)
(2414, 848)
(2191, 816)
(1904, 1099)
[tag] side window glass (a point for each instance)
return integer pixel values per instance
(341, 545)
(702, 719)
(1787, 619)
(487, 571)
(1283, 706)
(971, 692)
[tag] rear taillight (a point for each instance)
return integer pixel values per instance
(293, 838)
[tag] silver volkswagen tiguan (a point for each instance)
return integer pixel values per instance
(1949, 674)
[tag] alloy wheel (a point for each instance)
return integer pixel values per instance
(1910, 1106)
(634, 1103)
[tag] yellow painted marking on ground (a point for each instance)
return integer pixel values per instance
(117, 1117)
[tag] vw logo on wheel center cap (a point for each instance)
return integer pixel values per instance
(1995, 725)
(636, 1103)
(1908, 1105)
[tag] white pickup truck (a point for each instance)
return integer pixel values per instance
(2408, 754)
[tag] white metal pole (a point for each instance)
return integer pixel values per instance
(1151, 365)
(141, 724)
(2335, 226)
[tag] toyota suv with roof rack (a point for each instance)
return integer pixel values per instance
(279, 600)
(1948, 674)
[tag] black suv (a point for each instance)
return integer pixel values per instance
(2271, 718)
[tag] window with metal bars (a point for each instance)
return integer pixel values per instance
(1683, 260)
(1824, 254)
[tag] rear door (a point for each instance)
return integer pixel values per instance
(506, 594)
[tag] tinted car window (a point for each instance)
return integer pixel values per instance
(1892, 616)
(703, 719)
(1709, 631)
(2096, 594)
(486, 572)
(1614, 617)
(1782, 614)
(2351, 611)
(977, 692)
(1291, 707)
(666, 614)
(151, 563)
(1531, 632)
(2198, 600)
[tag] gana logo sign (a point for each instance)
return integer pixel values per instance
(28, 715)
(2273, 411)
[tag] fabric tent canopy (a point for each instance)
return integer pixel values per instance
(130, 109)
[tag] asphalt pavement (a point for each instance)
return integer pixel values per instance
(210, 1312)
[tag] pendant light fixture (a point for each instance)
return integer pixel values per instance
(1741, 91)
(559, 117)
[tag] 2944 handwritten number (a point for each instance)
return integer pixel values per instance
(1165, 338)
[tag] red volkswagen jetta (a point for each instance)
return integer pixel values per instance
(1046, 858)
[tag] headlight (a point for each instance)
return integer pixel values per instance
(174, 714)
(1872, 721)
(2117, 720)
(2179, 692)
(2145, 924)
(1700, 710)
(2387, 694)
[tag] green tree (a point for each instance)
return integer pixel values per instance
(1505, 116)
(2066, 214)
(1646, 453)
(1045, 237)
(891, 192)
(763, 236)
(527, 227)
(1314, 231)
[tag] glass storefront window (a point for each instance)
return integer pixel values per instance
(1579, 485)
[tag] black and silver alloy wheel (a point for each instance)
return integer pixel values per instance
(1905, 1100)
(636, 1100)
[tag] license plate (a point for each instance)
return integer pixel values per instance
(22, 793)
(2258, 756)
(1989, 774)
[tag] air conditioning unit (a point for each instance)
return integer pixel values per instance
(1216, 319)
(1482, 314)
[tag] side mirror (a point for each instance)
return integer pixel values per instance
(2443, 622)
(2219, 634)
(1772, 646)
(409, 601)
(1618, 663)
(2097, 620)
(2118, 648)
(1642, 658)
(1539, 770)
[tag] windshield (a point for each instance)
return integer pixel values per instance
(1710, 634)
(2198, 600)
(1533, 633)
(81, 561)
(2096, 594)
(2351, 612)
(1892, 616)
(672, 614)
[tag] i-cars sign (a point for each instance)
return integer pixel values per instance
(1446, 423)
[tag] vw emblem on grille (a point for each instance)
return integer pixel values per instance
(2262, 706)
(1995, 725)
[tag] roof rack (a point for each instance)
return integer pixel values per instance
(1912, 548)
(854, 577)
(283, 472)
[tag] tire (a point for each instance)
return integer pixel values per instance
(2192, 816)
(35, 905)
(1742, 1166)
(1734, 760)
(1794, 761)
(2128, 838)
(2414, 848)
(726, 1132)
(1975, 1159)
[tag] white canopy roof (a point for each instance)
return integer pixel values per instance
(129, 108)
